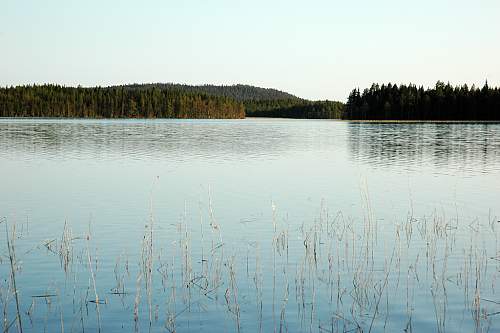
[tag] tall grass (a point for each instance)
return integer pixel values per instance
(330, 274)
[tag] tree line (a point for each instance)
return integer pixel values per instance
(379, 102)
(293, 108)
(159, 101)
(264, 102)
(114, 102)
(409, 102)
(239, 92)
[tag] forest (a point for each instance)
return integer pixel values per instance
(159, 101)
(263, 102)
(114, 102)
(239, 92)
(168, 100)
(292, 108)
(409, 102)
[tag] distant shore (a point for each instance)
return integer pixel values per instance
(388, 103)
(270, 118)
(392, 121)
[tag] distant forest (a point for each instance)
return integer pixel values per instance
(239, 92)
(261, 102)
(292, 108)
(114, 102)
(443, 102)
(158, 100)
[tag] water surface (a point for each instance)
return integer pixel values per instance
(297, 225)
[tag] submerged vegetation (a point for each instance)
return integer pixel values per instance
(409, 102)
(330, 274)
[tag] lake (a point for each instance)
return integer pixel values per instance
(253, 225)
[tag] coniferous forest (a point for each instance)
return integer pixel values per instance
(379, 102)
(409, 102)
(239, 92)
(160, 101)
(293, 108)
(114, 102)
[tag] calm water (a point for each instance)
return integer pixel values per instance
(258, 225)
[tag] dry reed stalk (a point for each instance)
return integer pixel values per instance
(137, 301)
(92, 275)
(12, 260)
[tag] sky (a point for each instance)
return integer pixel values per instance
(313, 49)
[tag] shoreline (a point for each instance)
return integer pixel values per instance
(271, 118)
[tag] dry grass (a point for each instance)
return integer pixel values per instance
(331, 274)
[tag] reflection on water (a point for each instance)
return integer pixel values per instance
(142, 139)
(449, 146)
(473, 147)
(250, 225)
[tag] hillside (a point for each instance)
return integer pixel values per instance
(300, 109)
(239, 92)
(260, 102)
(160, 100)
(114, 102)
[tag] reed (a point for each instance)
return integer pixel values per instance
(97, 301)
(13, 264)
(328, 274)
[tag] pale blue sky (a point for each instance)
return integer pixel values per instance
(313, 49)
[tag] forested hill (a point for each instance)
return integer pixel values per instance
(114, 102)
(160, 101)
(409, 102)
(239, 92)
(379, 102)
(288, 108)
(260, 102)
